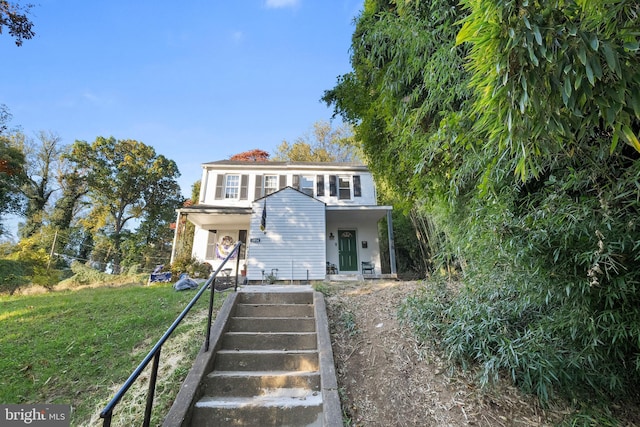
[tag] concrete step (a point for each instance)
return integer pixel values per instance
(258, 383)
(283, 407)
(275, 324)
(274, 310)
(276, 298)
(266, 360)
(269, 341)
(271, 365)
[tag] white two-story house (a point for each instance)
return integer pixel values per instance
(299, 221)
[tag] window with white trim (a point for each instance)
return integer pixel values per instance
(232, 187)
(306, 184)
(270, 184)
(344, 187)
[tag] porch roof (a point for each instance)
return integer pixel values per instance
(359, 213)
(214, 216)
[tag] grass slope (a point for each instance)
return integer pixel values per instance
(78, 347)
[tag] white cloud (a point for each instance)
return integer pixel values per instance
(276, 4)
(237, 36)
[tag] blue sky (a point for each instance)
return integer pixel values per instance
(198, 80)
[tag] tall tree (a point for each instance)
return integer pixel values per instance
(125, 179)
(405, 92)
(67, 211)
(12, 176)
(525, 155)
(11, 179)
(42, 157)
(15, 18)
(154, 237)
(323, 144)
(66, 207)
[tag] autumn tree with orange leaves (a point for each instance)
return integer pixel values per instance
(255, 155)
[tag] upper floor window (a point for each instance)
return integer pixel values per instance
(232, 187)
(344, 188)
(320, 185)
(270, 184)
(306, 185)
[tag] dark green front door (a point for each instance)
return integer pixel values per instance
(347, 251)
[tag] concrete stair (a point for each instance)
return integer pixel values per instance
(267, 366)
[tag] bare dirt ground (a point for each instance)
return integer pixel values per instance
(387, 378)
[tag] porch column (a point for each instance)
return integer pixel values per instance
(178, 236)
(175, 239)
(392, 245)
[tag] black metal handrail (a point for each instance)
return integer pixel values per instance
(107, 412)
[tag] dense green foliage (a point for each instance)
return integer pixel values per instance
(126, 180)
(80, 202)
(12, 276)
(511, 126)
(42, 163)
(12, 161)
(15, 17)
(323, 144)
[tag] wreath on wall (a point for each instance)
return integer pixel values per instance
(224, 247)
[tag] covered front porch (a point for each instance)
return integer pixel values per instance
(348, 236)
(215, 231)
(353, 243)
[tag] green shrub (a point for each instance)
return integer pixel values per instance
(85, 275)
(12, 276)
(36, 267)
(191, 266)
(550, 290)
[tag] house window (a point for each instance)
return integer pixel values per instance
(211, 245)
(320, 185)
(270, 184)
(344, 188)
(357, 186)
(306, 185)
(232, 187)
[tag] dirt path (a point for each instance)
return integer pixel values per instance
(386, 378)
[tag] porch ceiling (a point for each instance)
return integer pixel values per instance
(215, 217)
(358, 213)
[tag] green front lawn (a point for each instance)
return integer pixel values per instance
(78, 347)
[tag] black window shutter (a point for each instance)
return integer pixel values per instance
(244, 187)
(219, 180)
(296, 182)
(357, 188)
(320, 185)
(283, 181)
(258, 192)
(333, 185)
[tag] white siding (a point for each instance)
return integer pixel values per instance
(210, 178)
(294, 241)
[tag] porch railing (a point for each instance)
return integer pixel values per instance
(107, 412)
